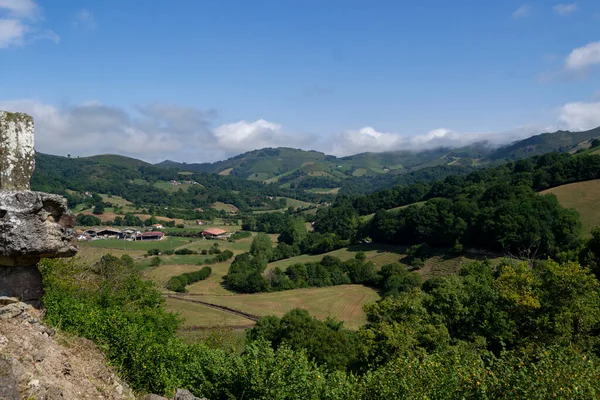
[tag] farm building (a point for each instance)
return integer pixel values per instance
(214, 233)
(200, 222)
(150, 236)
(91, 232)
(130, 233)
(108, 233)
(157, 226)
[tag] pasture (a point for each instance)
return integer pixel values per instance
(324, 190)
(166, 244)
(584, 197)
(199, 315)
(341, 302)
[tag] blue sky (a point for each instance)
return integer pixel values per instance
(200, 80)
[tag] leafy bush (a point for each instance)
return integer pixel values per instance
(179, 282)
(185, 251)
(155, 262)
(224, 256)
(240, 235)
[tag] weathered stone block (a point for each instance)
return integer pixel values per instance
(34, 225)
(24, 282)
(17, 160)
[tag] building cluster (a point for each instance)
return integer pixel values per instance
(125, 234)
(177, 183)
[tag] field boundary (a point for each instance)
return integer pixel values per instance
(251, 317)
(199, 328)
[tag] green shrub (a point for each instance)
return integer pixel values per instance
(179, 282)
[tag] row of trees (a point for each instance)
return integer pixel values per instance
(246, 272)
(179, 282)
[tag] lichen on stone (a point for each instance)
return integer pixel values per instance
(17, 160)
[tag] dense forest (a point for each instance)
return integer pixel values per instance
(496, 209)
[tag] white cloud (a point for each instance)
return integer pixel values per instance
(523, 11)
(155, 133)
(368, 139)
(565, 9)
(243, 136)
(12, 32)
(583, 57)
(84, 19)
(580, 116)
(152, 132)
(20, 8)
(19, 23)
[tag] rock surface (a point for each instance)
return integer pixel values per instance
(36, 364)
(24, 282)
(16, 150)
(183, 394)
(34, 225)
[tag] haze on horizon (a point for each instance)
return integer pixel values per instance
(202, 81)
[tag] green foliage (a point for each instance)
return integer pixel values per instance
(327, 343)
(87, 220)
(179, 282)
(155, 262)
(262, 246)
(184, 251)
(241, 235)
(221, 257)
(98, 209)
(417, 344)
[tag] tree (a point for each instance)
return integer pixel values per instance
(294, 232)
(262, 246)
(155, 262)
(98, 209)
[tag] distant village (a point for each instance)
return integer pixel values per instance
(153, 234)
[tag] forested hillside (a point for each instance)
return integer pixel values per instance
(367, 172)
(496, 209)
(134, 182)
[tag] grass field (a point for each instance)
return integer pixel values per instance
(166, 244)
(359, 172)
(110, 216)
(379, 254)
(223, 206)
(342, 302)
(226, 172)
(368, 217)
(199, 315)
(583, 197)
(324, 190)
(116, 200)
(296, 203)
(171, 188)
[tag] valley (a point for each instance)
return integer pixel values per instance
(329, 247)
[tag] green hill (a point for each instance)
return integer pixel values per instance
(115, 159)
(584, 197)
(295, 168)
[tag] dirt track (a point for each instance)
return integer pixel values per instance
(222, 308)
